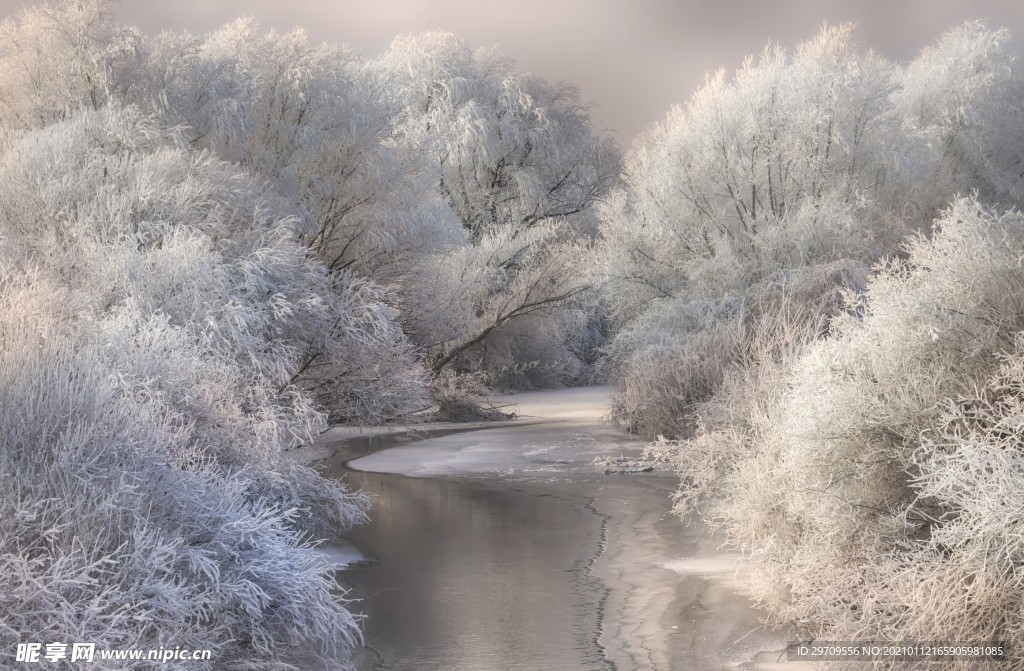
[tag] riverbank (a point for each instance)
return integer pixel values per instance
(637, 589)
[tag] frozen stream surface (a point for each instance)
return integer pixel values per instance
(505, 549)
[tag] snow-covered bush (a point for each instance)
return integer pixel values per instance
(671, 359)
(788, 313)
(685, 363)
(118, 528)
(868, 501)
(158, 307)
(963, 577)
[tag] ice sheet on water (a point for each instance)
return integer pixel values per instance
(568, 442)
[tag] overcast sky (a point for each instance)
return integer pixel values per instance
(632, 58)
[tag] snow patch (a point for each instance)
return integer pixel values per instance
(342, 553)
(719, 565)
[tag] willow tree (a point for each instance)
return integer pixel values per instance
(791, 162)
(517, 160)
(311, 119)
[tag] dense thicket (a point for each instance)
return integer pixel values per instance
(814, 270)
(879, 494)
(830, 155)
(156, 305)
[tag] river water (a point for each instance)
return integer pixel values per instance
(536, 563)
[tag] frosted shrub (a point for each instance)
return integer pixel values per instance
(810, 451)
(962, 576)
(681, 362)
(787, 313)
(671, 359)
(866, 504)
(116, 529)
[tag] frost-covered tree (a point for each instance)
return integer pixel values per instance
(518, 162)
(961, 105)
(278, 108)
(55, 59)
(313, 121)
(476, 299)
(792, 162)
(507, 148)
(828, 153)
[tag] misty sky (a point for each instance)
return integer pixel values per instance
(632, 58)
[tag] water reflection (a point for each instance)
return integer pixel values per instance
(563, 572)
(476, 575)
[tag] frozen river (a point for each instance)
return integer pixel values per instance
(506, 549)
